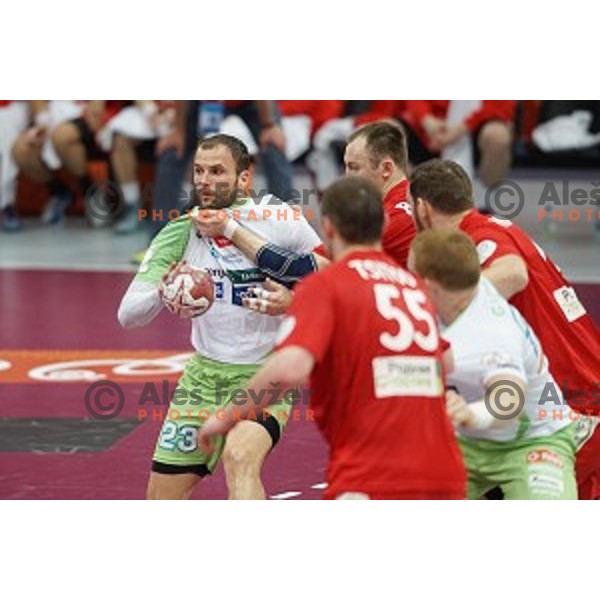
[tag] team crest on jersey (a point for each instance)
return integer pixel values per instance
(222, 242)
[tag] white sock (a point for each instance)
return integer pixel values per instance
(131, 192)
(7, 193)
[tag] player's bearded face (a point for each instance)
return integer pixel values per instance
(216, 180)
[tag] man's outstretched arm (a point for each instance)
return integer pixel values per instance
(283, 266)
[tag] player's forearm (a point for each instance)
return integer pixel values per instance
(508, 274)
(247, 242)
(181, 110)
(140, 305)
(286, 369)
(266, 112)
(281, 265)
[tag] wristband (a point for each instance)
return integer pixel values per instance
(231, 227)
(482, 418)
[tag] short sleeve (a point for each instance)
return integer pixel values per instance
(492, 246)
(167, 247)
(311, 317)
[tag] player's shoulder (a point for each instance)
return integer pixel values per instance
(182, 225)
(494, 309)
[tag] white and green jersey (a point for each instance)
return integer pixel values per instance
(227, 332)
(491, 339)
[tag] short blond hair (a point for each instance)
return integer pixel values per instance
(447, 257)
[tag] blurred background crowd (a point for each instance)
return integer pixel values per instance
(54, 154)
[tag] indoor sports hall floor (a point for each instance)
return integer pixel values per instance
(60, 289)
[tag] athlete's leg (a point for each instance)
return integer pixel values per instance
(494, 140)
(163, 486)
(475, 456)
(27, 153)
(69, 146)
(246, 448)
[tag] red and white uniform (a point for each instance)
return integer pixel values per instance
(378, 383)
(550, 305)
(399, 230)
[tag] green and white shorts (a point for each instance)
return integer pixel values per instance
(205, 388)
(527, 469)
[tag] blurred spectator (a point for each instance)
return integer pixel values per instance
(300, 119)
(75, 144)
(14, 117)
(331, 131)
(470, 132)
(63, 134)
(131, 135)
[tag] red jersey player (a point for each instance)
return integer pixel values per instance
(377, 151)
(365, 330)
(521, 271)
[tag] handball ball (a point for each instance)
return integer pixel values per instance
(189, 288)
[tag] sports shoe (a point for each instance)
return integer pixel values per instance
(9, 219)
(128, 220)
(138, 259)
(55, 210)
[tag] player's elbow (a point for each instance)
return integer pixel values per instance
(125, 319)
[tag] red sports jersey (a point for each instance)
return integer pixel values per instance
(378, 383)
(399, 230)
(550, 305)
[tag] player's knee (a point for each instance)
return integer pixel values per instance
(64, 135)
(169, 487)
(21, 152)
(121, 143)
(494, 137)
(239, 457)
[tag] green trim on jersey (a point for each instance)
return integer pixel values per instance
(167, 247)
